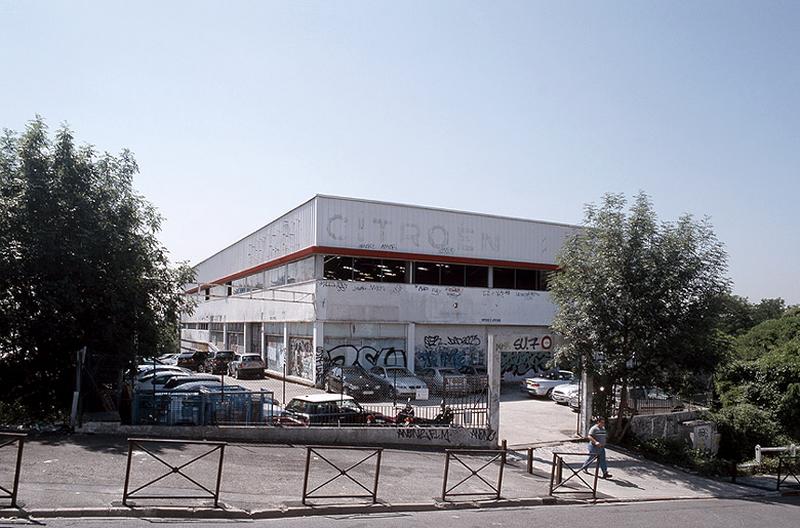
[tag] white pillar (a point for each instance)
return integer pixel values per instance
(263, 343)
(285, 347)
(410, 340)
(245, 347)
(318, 342)
(493, 371)
(587, 388)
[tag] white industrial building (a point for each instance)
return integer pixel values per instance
(342, 280)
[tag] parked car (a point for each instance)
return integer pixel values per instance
(169, 359)
(575, 402)
(477, 377)
(155, 381)
(402, 381)
(562, 393)
(217, 362)
(440, 379)
(246, 364)
(653, 400)
(327, 409)
(543, 385)
(145, 370)
(191, 360)
(179, 383)
(356, 381)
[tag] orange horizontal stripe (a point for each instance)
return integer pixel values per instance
(373, 253)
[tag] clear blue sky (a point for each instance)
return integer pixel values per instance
(238, 111)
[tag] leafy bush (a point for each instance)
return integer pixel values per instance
(742, 426)
(679, 453)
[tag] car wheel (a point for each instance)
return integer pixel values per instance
(201, 368)
(549, 393)
(328, 386)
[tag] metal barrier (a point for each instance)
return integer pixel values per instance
(791, 449)
(374, 452)
(790, 463)
(556, 473)
(456, 454)
(173, 470)
(8, 439)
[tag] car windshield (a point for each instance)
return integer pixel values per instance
(251, 357)
(449, 372)
(223, 355)
(398, 371)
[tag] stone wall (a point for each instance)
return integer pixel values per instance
(666, 426)
(401, 437)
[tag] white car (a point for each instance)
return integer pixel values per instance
(562, 393)
(543, 385)
(155, 381)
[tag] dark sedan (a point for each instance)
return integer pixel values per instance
(355, 381)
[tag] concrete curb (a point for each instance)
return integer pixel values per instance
(227, 512)
(272, 513)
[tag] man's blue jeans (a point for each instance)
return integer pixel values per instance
(601, 458)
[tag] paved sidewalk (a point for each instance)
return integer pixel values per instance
(84, 475)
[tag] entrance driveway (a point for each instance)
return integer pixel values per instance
(526, 421)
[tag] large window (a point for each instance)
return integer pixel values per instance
(519, 279)
(300, 271)
(363, 269)
(441, 274)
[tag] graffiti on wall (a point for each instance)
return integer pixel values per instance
(365, 356)
(301, 357)
(450, 351)
(522, 355)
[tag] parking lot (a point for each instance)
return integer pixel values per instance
(523, 420)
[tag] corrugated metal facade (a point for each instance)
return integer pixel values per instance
(349, 223)
(288, 234)
(366, 225)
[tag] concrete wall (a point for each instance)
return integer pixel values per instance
(666, 426)
(290, 303)
(357, 301)
(403, 437)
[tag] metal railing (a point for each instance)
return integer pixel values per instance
(457, 455)
(558, 481)
(342, 472)
(789, 463)
(6, 440)
(174, 470)
(791, 449)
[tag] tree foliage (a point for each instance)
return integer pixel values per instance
(765, 371)
(638, 299)
(81, 265)
(740, 315)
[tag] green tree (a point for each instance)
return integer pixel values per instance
(81, 266)
(638, 299)
(765, 372)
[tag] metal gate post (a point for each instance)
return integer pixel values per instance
(446, 471)
(127, 474)
(15, 489)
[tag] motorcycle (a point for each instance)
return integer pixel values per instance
(406, 417)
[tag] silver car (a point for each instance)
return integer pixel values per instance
(402, 380)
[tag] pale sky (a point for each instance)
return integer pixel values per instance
(239, 111)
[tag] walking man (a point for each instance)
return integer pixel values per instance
(597, 446)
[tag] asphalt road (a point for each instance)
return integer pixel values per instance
(713, 513)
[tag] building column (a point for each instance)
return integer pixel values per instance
(285, 367)
(411, 330)
(318, 343)
(244, 345)
(224, 335)
(587, 389)
(493, 371)
(263, 344)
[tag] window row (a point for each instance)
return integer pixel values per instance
(433, 273)
(336, 267)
